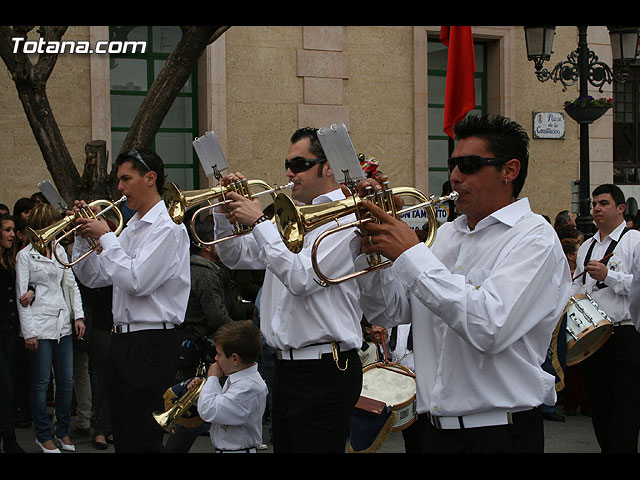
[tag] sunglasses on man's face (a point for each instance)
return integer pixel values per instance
(472, 163)
(301, 164)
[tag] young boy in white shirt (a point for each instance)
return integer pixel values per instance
(234, 409)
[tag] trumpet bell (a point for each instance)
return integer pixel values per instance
(174, 413)
(40, 239)
(296, 221)
(178, 201)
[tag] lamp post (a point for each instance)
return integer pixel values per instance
(583, 66)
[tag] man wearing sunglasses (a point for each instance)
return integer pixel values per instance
(483, 300)
(148, 266)
(315, 330)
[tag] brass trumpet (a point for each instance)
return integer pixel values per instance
(167, 419)
(178, 202)
(294, 222)
(41, 238)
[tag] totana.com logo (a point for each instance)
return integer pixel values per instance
(69, 46)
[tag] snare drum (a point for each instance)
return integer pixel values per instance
(588, 328)
(394, 385)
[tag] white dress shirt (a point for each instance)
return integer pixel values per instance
(613, 299)
(294, 310)
(48, 317)
(483, 304)
(634, 290)
(148, 266)
(235, 410)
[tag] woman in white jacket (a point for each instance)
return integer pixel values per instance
(47, 331)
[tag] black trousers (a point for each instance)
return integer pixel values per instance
(7, 348)
(312, 403)
(525, 435)
(142, 365)
(612, 383)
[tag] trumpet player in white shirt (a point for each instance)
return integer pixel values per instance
(315, 392)
(483, 300)
(148, 266)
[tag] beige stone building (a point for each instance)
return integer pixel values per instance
(257, 84)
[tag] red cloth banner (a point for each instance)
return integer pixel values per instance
(460, 97)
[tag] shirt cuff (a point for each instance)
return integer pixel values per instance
(266, 233)
(612, 278)
(414, 262)
(108, 239)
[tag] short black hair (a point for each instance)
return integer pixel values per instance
(151, 159)
(504, 138)
(613, 190)
(315, 147)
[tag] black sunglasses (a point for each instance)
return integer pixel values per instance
(472, 163)
(301, 164)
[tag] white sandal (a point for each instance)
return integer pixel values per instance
(47, 450)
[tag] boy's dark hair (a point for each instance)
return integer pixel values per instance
(611, 189)
(151, 161)
(241, 337)
(504, 138)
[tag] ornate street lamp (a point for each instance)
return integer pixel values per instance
(582, 65)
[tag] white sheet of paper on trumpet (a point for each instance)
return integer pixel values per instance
(52, 195)
(210, 154)
(340, 153)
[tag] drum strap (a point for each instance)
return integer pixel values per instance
(610, 249)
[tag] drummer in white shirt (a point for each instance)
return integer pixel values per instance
(483, 301)
(314, 392)
(148, 266)
(612, 374)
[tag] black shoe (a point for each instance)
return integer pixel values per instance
(99, 445)
(553, 416)
(10, 445)
(21, 419)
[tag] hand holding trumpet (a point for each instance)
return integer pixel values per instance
(92, 228)
(241, 209)
(391, 237)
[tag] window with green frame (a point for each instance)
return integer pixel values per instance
(439, 143)
(131, 76)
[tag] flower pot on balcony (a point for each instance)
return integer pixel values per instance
(586, 114)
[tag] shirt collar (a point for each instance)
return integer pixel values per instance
(244, 373)
(615, 235)
(509, 215)
(329, 196)
(153, 213)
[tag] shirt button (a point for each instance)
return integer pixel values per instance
(459, 267)
(435, 409)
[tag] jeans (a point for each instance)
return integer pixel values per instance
(60, 356)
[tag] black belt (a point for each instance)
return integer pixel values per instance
(241, 450)
(137, 327)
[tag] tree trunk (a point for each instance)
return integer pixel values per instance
(31, 80)
(168, 83)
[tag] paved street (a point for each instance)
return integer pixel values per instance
(575, 435)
